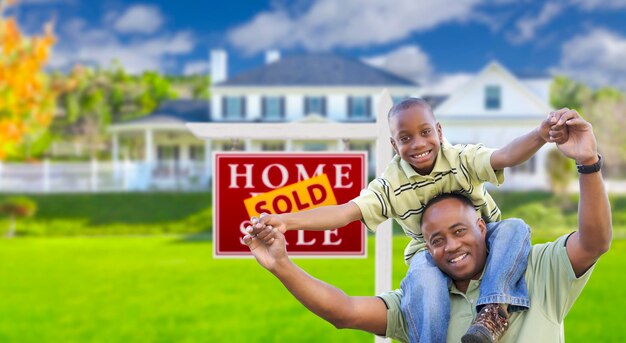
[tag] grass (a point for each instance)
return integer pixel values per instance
(170, 289)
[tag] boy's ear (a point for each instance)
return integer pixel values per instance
(393, 144)
(439, 132)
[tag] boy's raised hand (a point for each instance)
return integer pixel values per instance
(552, 130)
(271, 220)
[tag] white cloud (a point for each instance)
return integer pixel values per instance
(45, 2)
(139, 19)
(407, 61)
(196, 67)
(599, 4)
(527, 26)
(81, 43)
(328, 24)
(596, 57)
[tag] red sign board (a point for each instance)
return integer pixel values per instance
(246, 184)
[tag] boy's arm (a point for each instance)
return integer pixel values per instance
(524, 147)
(328, 302)
(321, 218)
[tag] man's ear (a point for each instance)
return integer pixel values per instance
(393, 144)
(482, 226)
(439, 132)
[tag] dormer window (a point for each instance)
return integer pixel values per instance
(492, 97)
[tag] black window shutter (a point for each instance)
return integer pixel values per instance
(323, 106)
(349, 107)
(224, 109)
(306, 105)
(282, 107)
(263, 107)
(243, 107)
(368, 107)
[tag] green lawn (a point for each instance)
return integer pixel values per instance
(170, 289)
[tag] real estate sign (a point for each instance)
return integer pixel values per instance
(248, 184)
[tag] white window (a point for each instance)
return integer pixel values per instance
(358, 107)
(492, 97)
(234, 107)
(273, 107)
(315, 105)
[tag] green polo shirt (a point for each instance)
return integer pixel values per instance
(552, 287)
(401, 193)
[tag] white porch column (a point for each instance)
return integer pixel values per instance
(289, 145)
(94, 174)
(1, 175)
(148, 159)
(149, 148)
(208, 161)
(46, 175)
(115, 155)
(247, 144)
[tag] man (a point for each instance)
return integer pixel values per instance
(455, 236)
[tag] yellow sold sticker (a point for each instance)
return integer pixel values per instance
(303, 195)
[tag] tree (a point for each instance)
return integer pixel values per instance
(17, 207)
(561, 174)
(27, 100)
(104, 95)
(605, 109)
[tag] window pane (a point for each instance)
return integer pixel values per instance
(314, 146)
(358, 107)
(272, 108)
(234, 107)
(314, 105)
(492, 97)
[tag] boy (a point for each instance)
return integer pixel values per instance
(427, 165)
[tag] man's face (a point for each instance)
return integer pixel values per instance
(455, 237)
(416, 137)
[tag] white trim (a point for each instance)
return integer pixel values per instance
(496, 67)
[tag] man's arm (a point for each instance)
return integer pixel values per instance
(593, 237)
(524, 147)
(328, 302)
(321, 218)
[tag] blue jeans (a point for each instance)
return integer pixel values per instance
(426, 302)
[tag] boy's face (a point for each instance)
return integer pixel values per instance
(416, 137)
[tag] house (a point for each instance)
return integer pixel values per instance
(492, 108)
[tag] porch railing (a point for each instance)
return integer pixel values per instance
(102, 176)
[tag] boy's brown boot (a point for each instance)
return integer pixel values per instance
(489, 325)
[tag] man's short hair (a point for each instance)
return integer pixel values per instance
(406, 104)
(441, 197)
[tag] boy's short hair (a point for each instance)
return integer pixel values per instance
(458, 196)
(407, 103)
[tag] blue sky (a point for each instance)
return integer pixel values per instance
(438, 42)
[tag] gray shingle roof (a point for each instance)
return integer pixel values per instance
(173, 111)
(317, 70)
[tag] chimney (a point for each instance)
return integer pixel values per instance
(272, 56)
(219, 66)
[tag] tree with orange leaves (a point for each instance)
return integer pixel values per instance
(27, 100)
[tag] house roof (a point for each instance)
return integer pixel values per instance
(317, 70)
(177, 111)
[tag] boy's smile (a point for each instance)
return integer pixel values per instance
(416, 137)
